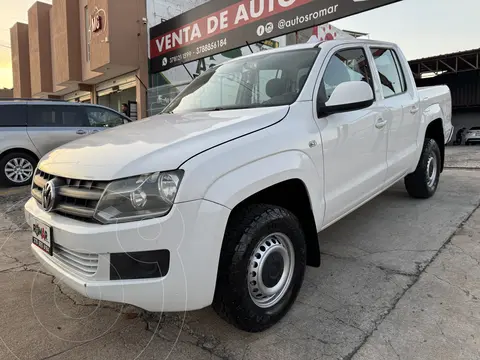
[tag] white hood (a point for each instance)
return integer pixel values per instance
(159, 143)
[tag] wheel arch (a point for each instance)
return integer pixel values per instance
(19, 150)
(431, 125)
(299, 204)
(435, 131)
(288, 179)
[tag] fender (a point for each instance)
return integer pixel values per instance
(232, 188)
(430, 114)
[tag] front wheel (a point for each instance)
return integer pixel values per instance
(261, 269)
(423, 182)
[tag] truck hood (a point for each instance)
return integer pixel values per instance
(161, 142)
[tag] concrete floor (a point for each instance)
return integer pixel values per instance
(400, 279)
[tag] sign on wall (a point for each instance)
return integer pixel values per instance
(221, 25)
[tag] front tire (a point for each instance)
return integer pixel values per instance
(423, 183)
(262, 266)
(16, 169)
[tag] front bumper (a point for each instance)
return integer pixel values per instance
(472, 138)
(192, 232)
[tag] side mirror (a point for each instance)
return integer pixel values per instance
(348, 96)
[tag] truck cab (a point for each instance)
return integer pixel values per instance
(219, 200)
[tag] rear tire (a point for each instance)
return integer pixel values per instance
(16, 169)
(423, 183)
(261, 269)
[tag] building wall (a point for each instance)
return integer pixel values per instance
(20, 61)
(65, 33)
(87, 73)
(57, 54)
(100, 45)
(40, 48)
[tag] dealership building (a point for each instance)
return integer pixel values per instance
(91, 51)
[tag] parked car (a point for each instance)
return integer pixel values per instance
(31, 128)
(472, 136)
(219, 199)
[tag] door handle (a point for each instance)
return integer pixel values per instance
(380, 123)
(81, 132)
(414, 110)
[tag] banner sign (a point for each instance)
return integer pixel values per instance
(221, 25)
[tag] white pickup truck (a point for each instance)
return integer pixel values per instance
(219, 200)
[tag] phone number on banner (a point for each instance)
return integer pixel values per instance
(197, 51)
(211, 46)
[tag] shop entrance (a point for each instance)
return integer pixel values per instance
(115, 99)
(113, 93)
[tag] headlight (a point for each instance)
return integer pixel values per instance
(140, 197)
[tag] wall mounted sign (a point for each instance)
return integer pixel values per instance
(221, 25)
(96, 23)
(98, 20)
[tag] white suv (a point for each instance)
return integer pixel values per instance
(472, 136)
(219, 199)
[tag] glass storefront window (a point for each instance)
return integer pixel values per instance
(114, 100)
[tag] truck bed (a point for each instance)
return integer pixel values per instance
(438, 95)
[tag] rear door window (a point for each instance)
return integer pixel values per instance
(56, 116)
(13, 115)
(390, 72)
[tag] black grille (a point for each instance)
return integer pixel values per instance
(76, 199)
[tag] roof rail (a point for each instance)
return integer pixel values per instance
(29, 99)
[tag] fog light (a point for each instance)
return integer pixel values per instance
(139, 265)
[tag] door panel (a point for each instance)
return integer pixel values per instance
(50, 126)
(354, 158)
(354, 143)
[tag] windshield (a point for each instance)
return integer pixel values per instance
(265, 80)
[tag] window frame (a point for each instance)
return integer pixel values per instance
(347, 47)
(398, 67)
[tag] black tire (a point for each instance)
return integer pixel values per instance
(4, 180)
(420, 184)
(246, 229)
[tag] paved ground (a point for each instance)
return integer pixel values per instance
(467, 157)
(400, 279)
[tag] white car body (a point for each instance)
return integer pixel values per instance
(472, 136)
(343, 160)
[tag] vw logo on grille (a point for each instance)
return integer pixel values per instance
(48, 196)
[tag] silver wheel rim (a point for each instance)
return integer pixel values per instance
(270, 270)
(432, 169)
(18, 170)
